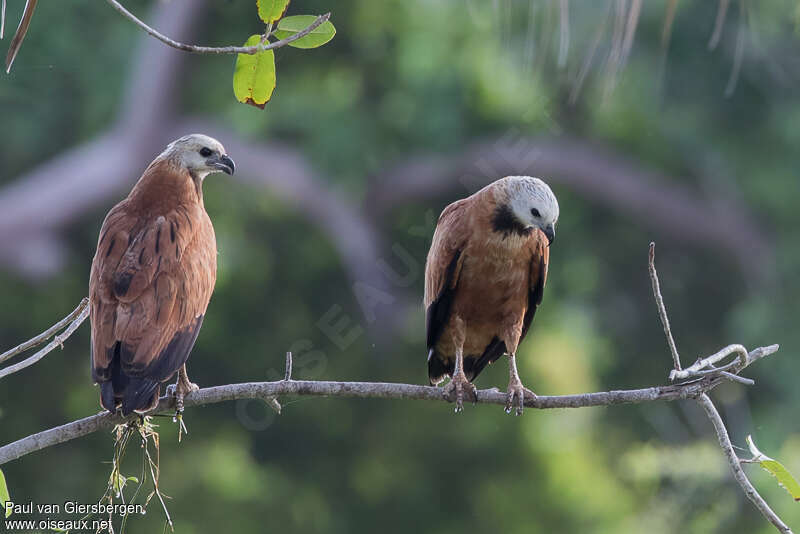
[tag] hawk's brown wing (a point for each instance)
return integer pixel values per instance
(442, 270)
(150, 285)
(538, 278)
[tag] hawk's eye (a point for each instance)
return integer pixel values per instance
(205, 151)
(535, 213)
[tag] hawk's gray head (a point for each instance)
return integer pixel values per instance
(200, 155)
(532, 203)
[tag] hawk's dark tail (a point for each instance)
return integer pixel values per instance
(141, 395)
(107, 398)
(438, 369)
(115, 382)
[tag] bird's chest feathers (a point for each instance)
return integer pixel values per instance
(500, 257)
(496, 272)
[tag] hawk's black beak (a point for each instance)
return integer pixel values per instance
(550, 232)
(222, 163)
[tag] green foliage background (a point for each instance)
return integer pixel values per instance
(412, 77)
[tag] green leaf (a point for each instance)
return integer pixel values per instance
(776, 469)
(785, 478)
(254, 77)
(271, 10)
(297, 23)
(4, 496)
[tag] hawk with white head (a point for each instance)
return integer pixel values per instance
(152, 277)
(484, 279)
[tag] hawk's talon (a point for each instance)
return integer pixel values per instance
(179, 390)
(458, 384)
(517, 392)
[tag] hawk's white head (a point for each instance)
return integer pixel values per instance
(529, 203)
(199, 154)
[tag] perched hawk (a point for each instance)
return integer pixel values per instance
(484, 279)
(152, 277)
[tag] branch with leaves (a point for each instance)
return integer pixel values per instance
(699, 380)
(254, 78)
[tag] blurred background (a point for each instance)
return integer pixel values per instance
(666, 121)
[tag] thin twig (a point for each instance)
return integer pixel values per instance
(58, 341)
(715, 370)
(737, 378)
(742, 360)
(3, 19)
(735, 463)
(47, 334)
(288, 375)
(222, 49)
(380, 390)
(662, 310)
(155, 469)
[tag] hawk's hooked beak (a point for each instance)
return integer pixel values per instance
(222, 163)
(550, 233)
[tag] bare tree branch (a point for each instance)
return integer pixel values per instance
(264, 45)
(699, 369)
(738, 472)
(662, 311)
(47, 334)
(380, 390)
(82, 313)
(705, 366)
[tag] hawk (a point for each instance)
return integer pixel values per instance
(484, 279)
(152, 277)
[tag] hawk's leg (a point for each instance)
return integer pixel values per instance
(516, 391)
(181, 387)
(459, 382)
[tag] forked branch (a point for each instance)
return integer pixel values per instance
(705, 368)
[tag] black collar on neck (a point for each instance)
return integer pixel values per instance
(504, 222)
